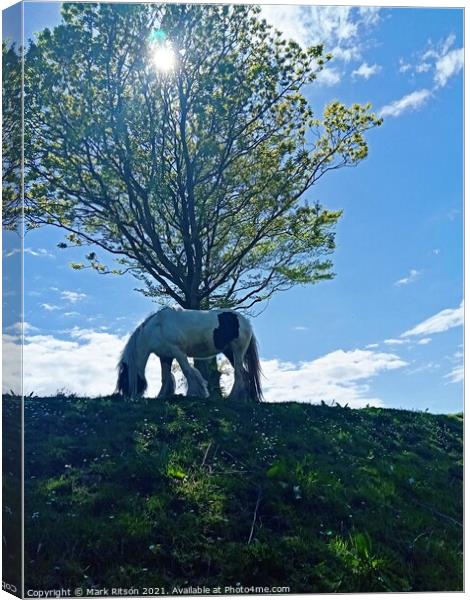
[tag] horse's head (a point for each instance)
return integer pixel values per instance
(131, 368)
(124, 386)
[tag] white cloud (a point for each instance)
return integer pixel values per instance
(394, 342)
(18, 327)
(346, 54)
(300, 328)
(447, 66)
(329, 76)
(458, 372)
(366, 71)
(49, 307)
(442, 321)
(313, 24)
(85, 364)
(401, 341)
(427, 367)
(72, 297)
(341, 29)
(441, 58)
(456, 375)
(289, 20)
(370, 14)
(407, 103)
(412, 276)
(340, 376)
(39, 252)
(11, 364)
(423, 67)
(403, 66)
(12, 252)
(439, 49)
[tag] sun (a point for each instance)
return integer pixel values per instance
(163, 57)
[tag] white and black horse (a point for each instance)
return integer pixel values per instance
(175, 334)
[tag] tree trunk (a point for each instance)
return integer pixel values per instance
(210, 372)
(208, 368)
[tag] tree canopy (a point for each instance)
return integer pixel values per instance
(11, 136)
(194, 177)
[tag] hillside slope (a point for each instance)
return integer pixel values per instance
(202, 492)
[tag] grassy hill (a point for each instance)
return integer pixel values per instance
(203, 492)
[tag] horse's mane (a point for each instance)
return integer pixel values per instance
(131, 342)
(129, 381)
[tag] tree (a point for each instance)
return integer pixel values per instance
(11, 136)
(193, 177)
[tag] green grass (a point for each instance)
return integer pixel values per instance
(203, 492)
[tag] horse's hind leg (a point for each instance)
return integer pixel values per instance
(197, 385)
(229, 355)
(239, 390)
(168, 381)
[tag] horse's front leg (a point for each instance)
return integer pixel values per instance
(168, 381)
(197, 385)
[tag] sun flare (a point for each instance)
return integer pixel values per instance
(163, 58)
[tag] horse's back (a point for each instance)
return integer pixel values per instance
(202, 333)
(205, 318)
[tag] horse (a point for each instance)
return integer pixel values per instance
(176, 334)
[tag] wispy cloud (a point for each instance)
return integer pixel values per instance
(410, 278)
(456, 375)
(443, 59)
(439, 60)
(72, 297)
(300, 328)
(442, 321)
(426, 367)
(49, 307)
(447, 66)
(341, 29)
(333, 26)
(458, 372)
(394, 342)
(39, 252)
(366, 71)
(423, 67)
(410, 102)
(12, 252)
(404, 66)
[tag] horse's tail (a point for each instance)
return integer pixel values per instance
(130, 383)
(253, 367)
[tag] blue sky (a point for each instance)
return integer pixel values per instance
(387, 330)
